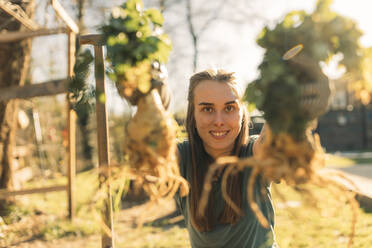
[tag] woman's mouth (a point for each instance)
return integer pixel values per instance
(219, 134)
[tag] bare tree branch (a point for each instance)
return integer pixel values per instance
(193, 34)
(214, 17)
(246, 13)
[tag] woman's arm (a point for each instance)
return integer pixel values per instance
(257, 145)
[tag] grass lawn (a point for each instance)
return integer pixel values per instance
(334, 161)
(330, 226)
(296, 227)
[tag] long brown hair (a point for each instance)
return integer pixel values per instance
(201, 160)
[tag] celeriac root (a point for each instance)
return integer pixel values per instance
(151, 147)
(281, 158)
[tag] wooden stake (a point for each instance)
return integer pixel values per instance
(103, 148)
(71, 148)
(107, 232)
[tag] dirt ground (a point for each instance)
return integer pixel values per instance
(165, 222)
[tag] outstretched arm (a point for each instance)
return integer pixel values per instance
(257, 145)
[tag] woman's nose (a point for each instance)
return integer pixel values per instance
(219, 119)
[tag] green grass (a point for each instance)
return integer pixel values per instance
(363, 161)
(328, 227)
(334, 161)
(45, 215)
(154, 237)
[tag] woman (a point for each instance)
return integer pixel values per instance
(217, 125)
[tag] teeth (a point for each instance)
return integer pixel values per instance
(219, 133)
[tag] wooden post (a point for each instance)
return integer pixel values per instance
(103, 150)
(71, 119)
(16, 36)
(49, 88)
(107, 232)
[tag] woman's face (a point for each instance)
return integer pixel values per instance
(218, 116)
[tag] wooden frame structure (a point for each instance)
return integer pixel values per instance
(61, 86)
(49, 88)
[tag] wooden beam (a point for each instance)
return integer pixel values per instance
(17, 12)
(16, 36)
(61, 12)
(71, 119)
(91, 39)
(4, 193)
(49, 88)
(103, 148)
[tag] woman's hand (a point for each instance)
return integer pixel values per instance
(159, 74)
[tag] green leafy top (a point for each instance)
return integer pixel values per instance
(134, 39)
(322, 34)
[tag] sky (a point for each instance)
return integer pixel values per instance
(237, 49)
(248, 55)
(223, 45)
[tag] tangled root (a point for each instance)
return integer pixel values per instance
(151, 148)
(281, 158)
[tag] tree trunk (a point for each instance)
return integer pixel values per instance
(14, 64)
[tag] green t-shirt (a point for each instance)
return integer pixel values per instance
(247, 232)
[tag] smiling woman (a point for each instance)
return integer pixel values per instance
(218, 116)
(217, 126)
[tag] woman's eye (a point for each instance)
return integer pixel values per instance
(207, 109)
(229, 108)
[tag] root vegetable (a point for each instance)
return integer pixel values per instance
(151, 147)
